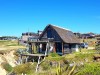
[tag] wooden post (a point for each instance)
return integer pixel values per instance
(32, 47)
(21, 59)
(27, 58)
(46, 51)
(62, 47)
(54, 50)
(37, 67)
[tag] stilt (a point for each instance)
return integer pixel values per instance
(21, 60)
(37, 67)
(46, 49)
(26, 59)
(62, 48)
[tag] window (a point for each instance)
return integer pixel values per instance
(49, 33)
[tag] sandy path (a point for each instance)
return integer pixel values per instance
(2, 71)
(10, 58)
(3, 49)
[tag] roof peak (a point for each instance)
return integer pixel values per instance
(59, 27)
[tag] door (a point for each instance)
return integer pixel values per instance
(59, 47)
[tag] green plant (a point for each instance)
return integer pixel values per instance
(71, 71)
(45, 65)
(59, 70)
(53, 55)
(90, 69)
(27, 68)
(7, 66)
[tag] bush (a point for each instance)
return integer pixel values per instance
(90, 69)
(4, 51)
(27, 68)
(7, 66)
(53, 55)
(45, 65)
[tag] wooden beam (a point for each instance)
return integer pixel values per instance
(54, 49)
(33, 47)
(62, 47)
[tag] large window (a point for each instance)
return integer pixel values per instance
(49, 33)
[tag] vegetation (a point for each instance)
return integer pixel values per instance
(7, 66)
(4, 51)
(55, 57)
(76, 63)
(59, 70)
(90, 69)
(27, 68)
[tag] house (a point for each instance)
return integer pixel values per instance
(56, 39)
(89, 35)
(78, 35)
(98, 38)
(27, 35)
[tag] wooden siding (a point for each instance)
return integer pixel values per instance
(53, 34)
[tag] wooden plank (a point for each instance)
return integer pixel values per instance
(32, 54)
(62, 48)
(54, 50)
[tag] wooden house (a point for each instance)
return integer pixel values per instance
(57, 39)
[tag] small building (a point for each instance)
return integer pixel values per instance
(57, 39)
(27, 35)
(98, 38)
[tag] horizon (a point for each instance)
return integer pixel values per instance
(19, 16)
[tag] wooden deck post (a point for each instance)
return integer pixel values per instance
(54, 50)
(62, 48)
(21, 60)
(27, 59)
(32, 47)
(37, 67)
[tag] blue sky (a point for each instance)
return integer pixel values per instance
(17, 16)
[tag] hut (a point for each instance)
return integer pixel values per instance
(56, 39)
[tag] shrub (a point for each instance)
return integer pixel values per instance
(45, 65)
(90, 69)
(7, 66)
(27, 68)
(4, 52)
(53, 55)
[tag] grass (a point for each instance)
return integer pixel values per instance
(90, 69)
(9, 45)
(51, 65)
(81, 56)
(54, 57)
(27, 68)
(5, 48)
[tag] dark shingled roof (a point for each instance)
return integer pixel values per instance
(66, 35)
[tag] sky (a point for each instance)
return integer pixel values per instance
(18, 16)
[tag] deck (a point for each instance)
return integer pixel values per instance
(40, 60)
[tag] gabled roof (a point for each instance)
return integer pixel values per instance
(65, 34)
